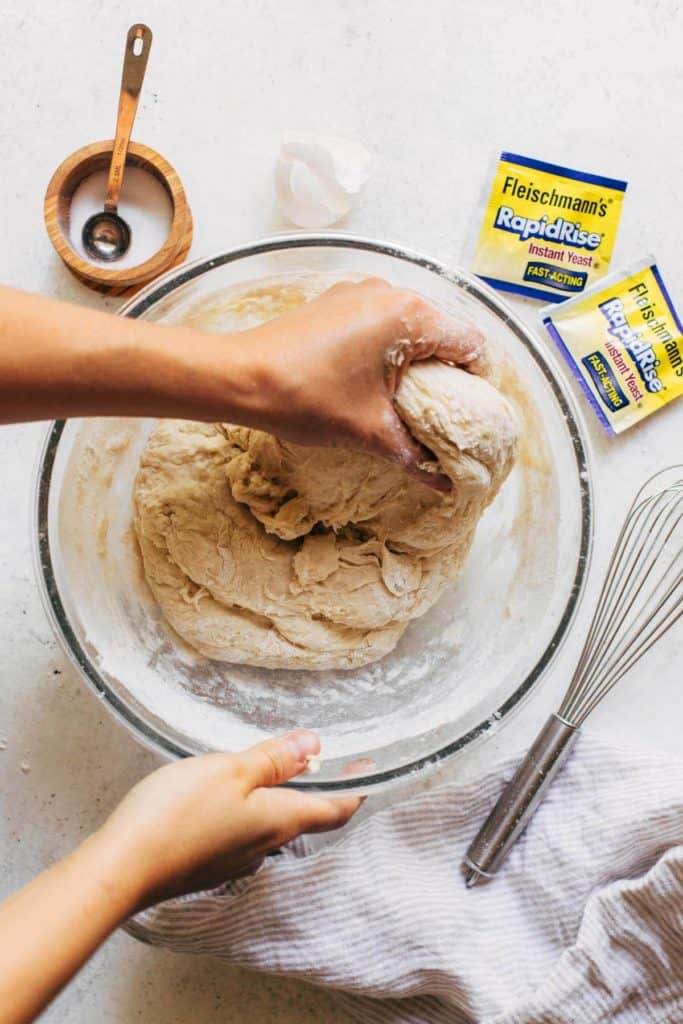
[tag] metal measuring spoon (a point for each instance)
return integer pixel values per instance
(106, 236)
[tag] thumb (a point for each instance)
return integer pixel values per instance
(279, 759)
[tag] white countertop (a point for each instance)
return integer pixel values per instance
(434, 90)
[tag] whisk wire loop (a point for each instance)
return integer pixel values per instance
(648, 558)
(641, 597)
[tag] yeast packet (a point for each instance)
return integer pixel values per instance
(548, 231)
(623, 340)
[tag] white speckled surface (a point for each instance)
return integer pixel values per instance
(434, 90)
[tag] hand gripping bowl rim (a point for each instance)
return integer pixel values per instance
(162, 287)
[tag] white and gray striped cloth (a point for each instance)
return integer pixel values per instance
(583, 925)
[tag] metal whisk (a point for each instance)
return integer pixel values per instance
(641, 598)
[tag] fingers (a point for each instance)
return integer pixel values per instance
(395, 442)
(277, 760)
(435, 333)
(281, 814)
(290, 814)
(335, 814)
(428, 331)
(367, 284)
(459, 342)
(412, 327)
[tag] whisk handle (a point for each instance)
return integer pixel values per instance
(519, 800)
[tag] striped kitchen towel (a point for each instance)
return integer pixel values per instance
(583, 925)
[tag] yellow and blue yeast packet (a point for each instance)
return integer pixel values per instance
(623, 340)
(548, 231)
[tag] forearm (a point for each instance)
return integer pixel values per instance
(188, 827)
(324, 373)
(58, 360)
(50, 928)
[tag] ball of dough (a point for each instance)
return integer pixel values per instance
(284, 556)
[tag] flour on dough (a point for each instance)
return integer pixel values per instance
(283, 556)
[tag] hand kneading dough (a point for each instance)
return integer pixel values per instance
(284, 556)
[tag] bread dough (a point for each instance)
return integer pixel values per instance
(283, 556)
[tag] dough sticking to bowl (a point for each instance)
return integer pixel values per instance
(277, 555)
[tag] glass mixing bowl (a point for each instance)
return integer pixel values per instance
(457, 673)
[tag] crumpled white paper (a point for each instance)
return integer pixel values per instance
(318, 177)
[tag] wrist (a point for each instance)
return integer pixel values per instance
(114, 871)
(208, 377)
